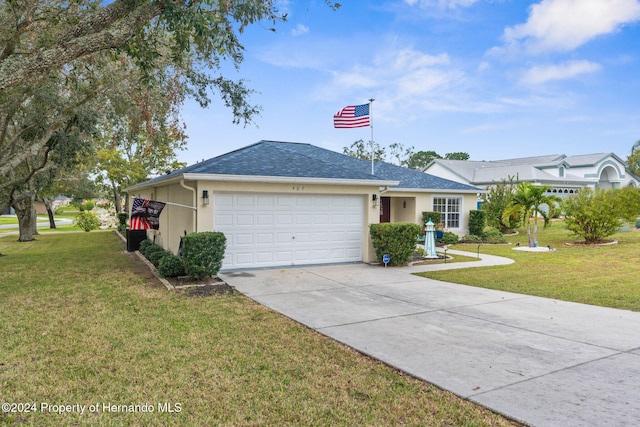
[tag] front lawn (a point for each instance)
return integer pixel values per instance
(605, 275)
(82, 323)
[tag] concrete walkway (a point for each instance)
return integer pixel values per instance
(540, 361)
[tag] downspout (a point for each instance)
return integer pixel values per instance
(195, 204)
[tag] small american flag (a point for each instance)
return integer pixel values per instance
(352, 116)
(145, 214)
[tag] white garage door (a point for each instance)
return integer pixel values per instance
(266, 230)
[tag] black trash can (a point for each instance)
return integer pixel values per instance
(134, 238)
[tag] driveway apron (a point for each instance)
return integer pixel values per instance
(539, 361)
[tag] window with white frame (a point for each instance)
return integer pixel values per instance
(450, 209)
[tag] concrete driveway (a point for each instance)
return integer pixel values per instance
(540, 361)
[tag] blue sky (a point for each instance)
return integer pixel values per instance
(494, 78)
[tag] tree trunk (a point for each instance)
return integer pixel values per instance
(26, 213)
(47, 204)
(116, 197)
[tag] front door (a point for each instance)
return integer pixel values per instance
(385, 209)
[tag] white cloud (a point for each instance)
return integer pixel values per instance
(442, 4)
(409, 59)
(402, 81)
(299, 30)
(483, 66)
(544, 73)
(563, 25)
(402, 73)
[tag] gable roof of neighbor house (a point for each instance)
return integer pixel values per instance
(524, 168)
(284, 160)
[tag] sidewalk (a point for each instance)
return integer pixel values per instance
(541, 361)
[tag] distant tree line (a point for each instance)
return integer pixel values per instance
(399, 154)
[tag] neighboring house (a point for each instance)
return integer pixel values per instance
(281, 203)
(41, 208)
(564, 174)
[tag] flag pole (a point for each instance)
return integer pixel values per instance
(371, 125)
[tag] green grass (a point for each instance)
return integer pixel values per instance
(12, 220)
(604, 276)
(82, 323)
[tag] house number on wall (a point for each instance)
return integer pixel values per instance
(298, 188)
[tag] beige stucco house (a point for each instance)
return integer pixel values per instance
(282, 204)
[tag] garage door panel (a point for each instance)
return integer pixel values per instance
(265, 238)
(244, 239)
(265, 220)
(274, 229)
(245, 201)
(264, 257)
(284, 219)
(244, 219)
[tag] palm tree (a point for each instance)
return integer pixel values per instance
(526, 204)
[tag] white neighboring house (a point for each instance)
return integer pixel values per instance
(564, 174)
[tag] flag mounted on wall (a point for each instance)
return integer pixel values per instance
(352, 116)
(145, 214)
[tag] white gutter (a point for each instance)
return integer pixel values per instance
(267, 179)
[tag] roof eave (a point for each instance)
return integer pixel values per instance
(437, 190)
(288, 179)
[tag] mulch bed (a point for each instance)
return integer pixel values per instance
(184, 284)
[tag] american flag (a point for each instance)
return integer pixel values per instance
(145, 214)
(352, 116)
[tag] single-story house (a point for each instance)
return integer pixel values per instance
(283, 203)
(564, 174)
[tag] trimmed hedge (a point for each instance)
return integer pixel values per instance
(477, 222)
(398, 240)
(202, 253)
(144, 245)
(156, 255)
(171, 266)
(435, 217)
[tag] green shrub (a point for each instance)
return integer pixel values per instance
(122, 218)
(149, 249)
(398, 240)
(202, 253)
(492, 235)
(144, 245)
(435, 217)
(471, 238)
(477, 222)
(88, 205)
(449, 238)
(171, 266)
(157, 255)
(87, 221)
(597, 214)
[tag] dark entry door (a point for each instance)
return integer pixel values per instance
(385, 209)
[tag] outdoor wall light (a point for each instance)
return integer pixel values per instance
(205, 197)
(375, 200)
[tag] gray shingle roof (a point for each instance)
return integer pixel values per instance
(297, 160)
